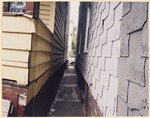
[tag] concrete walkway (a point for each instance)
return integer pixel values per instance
(68, 100)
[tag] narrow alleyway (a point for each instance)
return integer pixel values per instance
(67, 101)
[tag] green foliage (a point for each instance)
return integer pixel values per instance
(67, 65)
(74, 35)
(74, 38)
(71, 53)
(73, 46)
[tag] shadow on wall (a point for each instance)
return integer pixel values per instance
(40, 104)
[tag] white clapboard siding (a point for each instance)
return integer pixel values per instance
(45, 12)
(16, 41)
(45, 3)
(18, 24)
(15, 55)
(13, 73)
(15, 64)
(44, 7)
(42, 16)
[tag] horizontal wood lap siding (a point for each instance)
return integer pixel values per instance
(56, 43)
(15, 55)
(60, 38)
(80, 55)
(44, 17)
(40, 57)
(37, 71)
(40, 82)
(15, 73)
(30, 92)
(45, 3)
(47, 12)
(44, 7)
(18, 24)
(57, 56)
(44, 12)
(42, 31)
(16, 44)
(35, 86)
(41, 44)
(16, 41)
(26, 53)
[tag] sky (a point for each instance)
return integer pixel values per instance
(74, 12)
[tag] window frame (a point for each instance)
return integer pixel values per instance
(79, 45)
(87, 28)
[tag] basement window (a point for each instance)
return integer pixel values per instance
(87, 35)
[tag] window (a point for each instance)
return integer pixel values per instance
(17, 7)
(87, 34)
(80, 44)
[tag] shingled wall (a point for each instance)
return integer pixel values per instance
(133, 63)
(116, 64)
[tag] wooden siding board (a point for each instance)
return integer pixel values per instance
(15, 55)
(45, 12)
(42, 31)
(58, 45)
(41, 81)
(58, 25)
(55, 62)
(40, 44)
(38, 70)
(38, 48)
(45, 3)
(39, 58)
(59, 37)
(16, 41)
(45, 21)
(56, 37)
(14, 64)
(58, 48)
(59, 15)
(58, 18)
(30, 92)
(57, 51)
(52, 16)
(58, 57)
(44, 17)
(44, 7)
(56, 40)
(18, 24)
(15, 73)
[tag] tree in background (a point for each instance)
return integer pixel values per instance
(74, 37)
